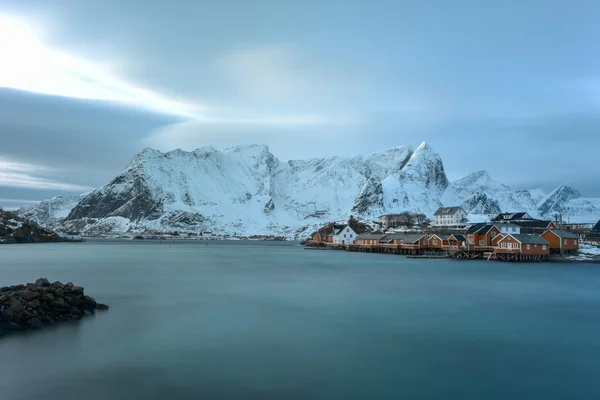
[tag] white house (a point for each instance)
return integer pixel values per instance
(343, 234)
(450, 217)
(509, 229)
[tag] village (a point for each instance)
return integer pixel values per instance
(507, 237)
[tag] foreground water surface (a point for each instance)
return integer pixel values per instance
(259, 320)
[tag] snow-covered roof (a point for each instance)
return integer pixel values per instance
(564, 234)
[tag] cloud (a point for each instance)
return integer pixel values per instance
(22, 175)
(28, 64)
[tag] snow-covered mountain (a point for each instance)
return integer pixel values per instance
(481, 194)
(246, 190)
(568, 203)
(50, 212)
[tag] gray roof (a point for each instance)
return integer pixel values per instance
(596, 227)
(370, 236)
(448, 210)
(443, 237)
(406, 238)
(535, 223)
(564, 234)
(511, 216)
(529, 239)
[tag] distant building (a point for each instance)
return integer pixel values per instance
(439, 241)
(561, 241)
(70, 235)
(594, 233)
(512, 217)
(480, 236)
(457, 241)
(344, 234)
(508, 228)
(369, 238)
(534, 226)
(523, 244)
(450, 217)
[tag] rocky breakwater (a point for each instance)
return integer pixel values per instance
(34, 305)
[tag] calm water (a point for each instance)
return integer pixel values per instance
(251, 320)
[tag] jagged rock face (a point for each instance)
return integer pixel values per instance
(239, 190)
(479, 193)
(481, 204)
(567, 202)
(425, 167)
(556, 201)
(48, 213)
(370, 199)
(14, 229)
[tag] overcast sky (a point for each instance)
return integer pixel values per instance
(511, 87)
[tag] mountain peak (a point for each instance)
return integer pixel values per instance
(426, 166)
(478, 178)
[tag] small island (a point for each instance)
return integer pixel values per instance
(34, 305)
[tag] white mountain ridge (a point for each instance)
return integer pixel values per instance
(246, 190)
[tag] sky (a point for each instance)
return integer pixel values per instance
(513, 88)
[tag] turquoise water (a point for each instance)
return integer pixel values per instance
(256, 320)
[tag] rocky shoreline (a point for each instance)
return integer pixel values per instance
(34, 305)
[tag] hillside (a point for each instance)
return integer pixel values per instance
(14, 229)
(246, 190)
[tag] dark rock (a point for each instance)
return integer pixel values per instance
(37, 304)
(48, 297)
(58, 302)
(77, 289)
(4, 289)
(34, 323)
(28, 295)
(89, 299)
(75, 311)
(42, 282)
(13, 301)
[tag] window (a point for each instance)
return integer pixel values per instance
(575, 242)
(344, 235)
(565, 241)
(514, 229)
(543, 247)
(528, 247)
(493, 234)
(434, 242)
(481, 242)
(504, 245)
